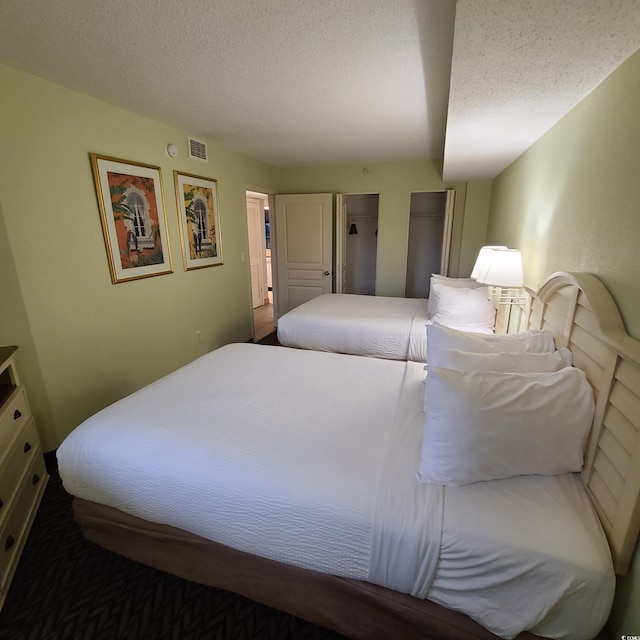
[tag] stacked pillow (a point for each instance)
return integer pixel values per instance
(460, 303)
(459, 283)
(511, 362)
(501, 406)
(441, 337)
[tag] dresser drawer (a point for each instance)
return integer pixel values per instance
(15, 463)
(15, 412)
(13, 533)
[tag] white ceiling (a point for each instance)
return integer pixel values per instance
(302, 82)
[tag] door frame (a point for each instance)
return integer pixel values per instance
(340, 239)
(274, 256)
(340, 244)
(447, 232)
(259, 248)
(253, 191)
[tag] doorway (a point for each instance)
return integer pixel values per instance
(259, 232)
(361, 243)
(430, 218)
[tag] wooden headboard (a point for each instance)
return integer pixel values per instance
(581, 314)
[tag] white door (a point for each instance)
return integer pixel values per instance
(256, 258)
(304, 247)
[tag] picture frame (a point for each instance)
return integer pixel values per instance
(200, 236)
(132, 212)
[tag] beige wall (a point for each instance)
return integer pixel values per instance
(571, 203)
(394, 182)
(84, 341)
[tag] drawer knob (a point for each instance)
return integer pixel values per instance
(17, 414)
(27, 447)
(8, 543)
(35, 479)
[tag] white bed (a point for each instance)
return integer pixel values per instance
(376, 326)
(284, 474)
(385, 327)
(279, 452)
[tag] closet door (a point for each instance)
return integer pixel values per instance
(429, 239)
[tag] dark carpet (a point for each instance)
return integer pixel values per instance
(272, 339)
(67, 588)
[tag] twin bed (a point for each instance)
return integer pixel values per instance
(290, 477)
(375, 326)
(385, 327)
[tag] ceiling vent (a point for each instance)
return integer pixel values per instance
(197, 149)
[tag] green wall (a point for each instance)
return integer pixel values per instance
(474, 225)
(571, 203)
(394, 182)
(16, 330)
(84, 341)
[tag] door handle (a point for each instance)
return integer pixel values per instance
(326, 273)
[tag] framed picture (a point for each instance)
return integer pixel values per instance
(199, 222)
(134, 223)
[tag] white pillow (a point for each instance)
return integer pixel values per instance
(469, 309)
(523, 362)
(486, 425)
(468, 283)
(533, 341)
(465, 283)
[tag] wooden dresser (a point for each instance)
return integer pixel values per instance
(23, 475)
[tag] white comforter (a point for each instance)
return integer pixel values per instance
(376, 326)
(294, 456)
(310, 458)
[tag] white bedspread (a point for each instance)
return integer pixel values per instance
(277, 452)
(525, 553)
(376, 326)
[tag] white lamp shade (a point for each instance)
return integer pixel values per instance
(482, 259)
(503, 268)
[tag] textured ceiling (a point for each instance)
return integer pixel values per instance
(520, 65)
(301, 82)
(288, 82)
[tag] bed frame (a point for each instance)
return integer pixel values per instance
(580, 313)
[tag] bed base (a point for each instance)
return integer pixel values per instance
(355, 609)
